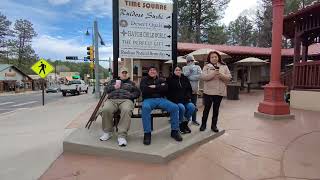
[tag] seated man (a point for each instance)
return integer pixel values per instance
(153, 92)
(121, 94)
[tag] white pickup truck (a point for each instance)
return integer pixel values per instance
(74, 87)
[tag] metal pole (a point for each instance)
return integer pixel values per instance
(115, 20)
(131, 64)
(96, 59)
(93, 76)
(42, 92)
(55, 72)
(174, 34)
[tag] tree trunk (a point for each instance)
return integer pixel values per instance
(190, 26)
(198, 21)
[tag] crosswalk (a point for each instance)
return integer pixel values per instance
(10, 106)
(22, 104)
(6, 103)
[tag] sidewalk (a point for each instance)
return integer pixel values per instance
(251, 149)
(31, 139)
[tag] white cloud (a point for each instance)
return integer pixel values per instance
(49, 47)
(58, 2)
(235, 8)
(100, 8)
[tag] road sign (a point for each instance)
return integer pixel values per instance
(71, 57)
(42, 68)
(145, 29)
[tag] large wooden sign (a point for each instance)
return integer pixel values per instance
(145, 29)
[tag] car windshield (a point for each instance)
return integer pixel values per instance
(74, 82)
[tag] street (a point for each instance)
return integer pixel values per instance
(14, 103)
(32, 131)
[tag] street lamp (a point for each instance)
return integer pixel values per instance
(95, 38)
(88, 34)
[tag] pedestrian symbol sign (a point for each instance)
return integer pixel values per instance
(42, 68)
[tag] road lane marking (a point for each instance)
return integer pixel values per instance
(6, 103)
(12, 111)
(17, 105)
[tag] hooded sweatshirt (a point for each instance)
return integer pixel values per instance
(179, 89)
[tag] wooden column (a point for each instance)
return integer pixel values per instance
(297, 47)
(304, 52)
(273, 103)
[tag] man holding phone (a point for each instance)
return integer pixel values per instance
(121, 94)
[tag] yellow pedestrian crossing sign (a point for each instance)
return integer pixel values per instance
(42, 68)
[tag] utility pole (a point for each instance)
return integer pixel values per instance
(96, 58)
(110, 63)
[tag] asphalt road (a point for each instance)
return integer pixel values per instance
(13, 103)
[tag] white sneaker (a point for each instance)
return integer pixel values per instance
(122, 141)
(105, 136)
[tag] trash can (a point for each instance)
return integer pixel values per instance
(233, 91)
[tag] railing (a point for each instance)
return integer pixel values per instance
(287, 79)
(306, 75)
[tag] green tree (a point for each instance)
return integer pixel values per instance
(4, 33)
(217, 34)
(263, 23)
(199, 17)
(21, 45)
(241, 32)
(295, 5)
(186, 22)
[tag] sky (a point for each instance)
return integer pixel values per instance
(61, 24)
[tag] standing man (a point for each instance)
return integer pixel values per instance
(121, 94)
(193, 73)
(153, 91)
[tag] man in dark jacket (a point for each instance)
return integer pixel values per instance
(153, 91)
(121, 94)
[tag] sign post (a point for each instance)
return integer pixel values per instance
(42, 68)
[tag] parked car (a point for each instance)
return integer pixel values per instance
(52, 89)
(74, 87)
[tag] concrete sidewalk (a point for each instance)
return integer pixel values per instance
(251, 149)
(31, 139)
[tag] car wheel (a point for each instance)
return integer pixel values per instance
(87, 91)
(79, 92)
(64, 93)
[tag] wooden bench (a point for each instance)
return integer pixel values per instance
(138, 105)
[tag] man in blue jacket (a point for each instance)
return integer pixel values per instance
(153, 91)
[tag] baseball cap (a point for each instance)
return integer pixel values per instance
(190, 58)
(124, 70)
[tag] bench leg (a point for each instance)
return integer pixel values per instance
(151, 123)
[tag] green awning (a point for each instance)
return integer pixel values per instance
(75, 77)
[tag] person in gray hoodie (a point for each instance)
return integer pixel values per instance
(193, 73)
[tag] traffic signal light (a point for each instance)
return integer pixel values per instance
(90, 53)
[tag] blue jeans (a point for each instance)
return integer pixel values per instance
(186, 110)
(194, 99)
(149, 104)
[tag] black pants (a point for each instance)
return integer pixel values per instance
(215, 101)
(194, 99)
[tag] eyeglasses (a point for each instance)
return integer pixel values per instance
(124, 72)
